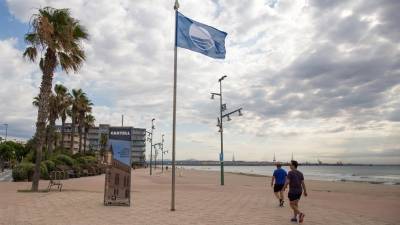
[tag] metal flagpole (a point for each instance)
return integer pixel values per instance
(176, 6)
(151, 145)
(162, 154)
(221, 157)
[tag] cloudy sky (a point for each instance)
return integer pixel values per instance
(320, 78)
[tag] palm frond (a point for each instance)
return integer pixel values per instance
(36, 101)
(80, 32)
(32, 39)
(30, 53)
(57, 30)
(66, 62)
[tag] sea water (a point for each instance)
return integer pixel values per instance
(370, 174)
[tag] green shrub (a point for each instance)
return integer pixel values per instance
(65, 159)
(63, 167)
(50, 165)
(23, 171)
(79, 155)
(44, 173)
(58, 150)
(57, 162)
(77, 169)
(29, 158)
(87, 160)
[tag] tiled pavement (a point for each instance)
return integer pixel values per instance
(200, 200)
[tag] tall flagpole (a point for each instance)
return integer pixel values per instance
(176, 6)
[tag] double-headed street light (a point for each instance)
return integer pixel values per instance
(222, 108)
(162, 154)
(150, 139)
(156, 153)
(160, 146)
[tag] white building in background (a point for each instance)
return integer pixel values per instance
(68, 138)
(93, 142)
(138, 137)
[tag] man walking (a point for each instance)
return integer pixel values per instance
(279, 177)
(295, 180)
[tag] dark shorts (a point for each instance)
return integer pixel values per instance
(278, 187)
(294, 196)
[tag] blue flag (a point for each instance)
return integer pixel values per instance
(200, 38)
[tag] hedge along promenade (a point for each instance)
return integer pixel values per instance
(74, 166)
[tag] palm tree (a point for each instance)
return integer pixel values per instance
(103, 144)
(89, 123)
(35, 101)
(86, 107)
(64, 100)
(53, 116)
(58, 35)
(80, 105)
(77, 95)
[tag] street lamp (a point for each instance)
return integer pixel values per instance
(162, 154)
(222, 108)
(156, 153)
(150, 139)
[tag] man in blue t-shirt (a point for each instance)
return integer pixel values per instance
(279, 177)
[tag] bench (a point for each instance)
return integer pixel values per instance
(55, 180)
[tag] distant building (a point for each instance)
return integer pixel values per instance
(138, 146)
(94, 136)
(138, 137)
(67, 138)
(93, 142)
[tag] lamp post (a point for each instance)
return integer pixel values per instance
(162, 154)
(150, 139)
(156, 154)
(222, 108)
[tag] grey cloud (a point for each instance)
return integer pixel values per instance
(333, 82)
(282, 67)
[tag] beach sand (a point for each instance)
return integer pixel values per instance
(199, 200)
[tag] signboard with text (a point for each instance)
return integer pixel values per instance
(118, 176)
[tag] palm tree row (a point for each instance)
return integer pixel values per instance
(81, 106)
(55, 38)
(63, 104)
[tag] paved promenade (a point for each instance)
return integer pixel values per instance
(200, 200)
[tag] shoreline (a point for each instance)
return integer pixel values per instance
(322, 180)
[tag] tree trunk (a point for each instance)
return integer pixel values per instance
(62, 131)
(1, 164)
(56, 140)
(84, 141)
(52, 124)
(80, 138)
(45, 90)
(73, 132)
(46, 138)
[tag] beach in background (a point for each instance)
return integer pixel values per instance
(371, 174)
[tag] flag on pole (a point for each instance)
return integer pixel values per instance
(200, 38)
